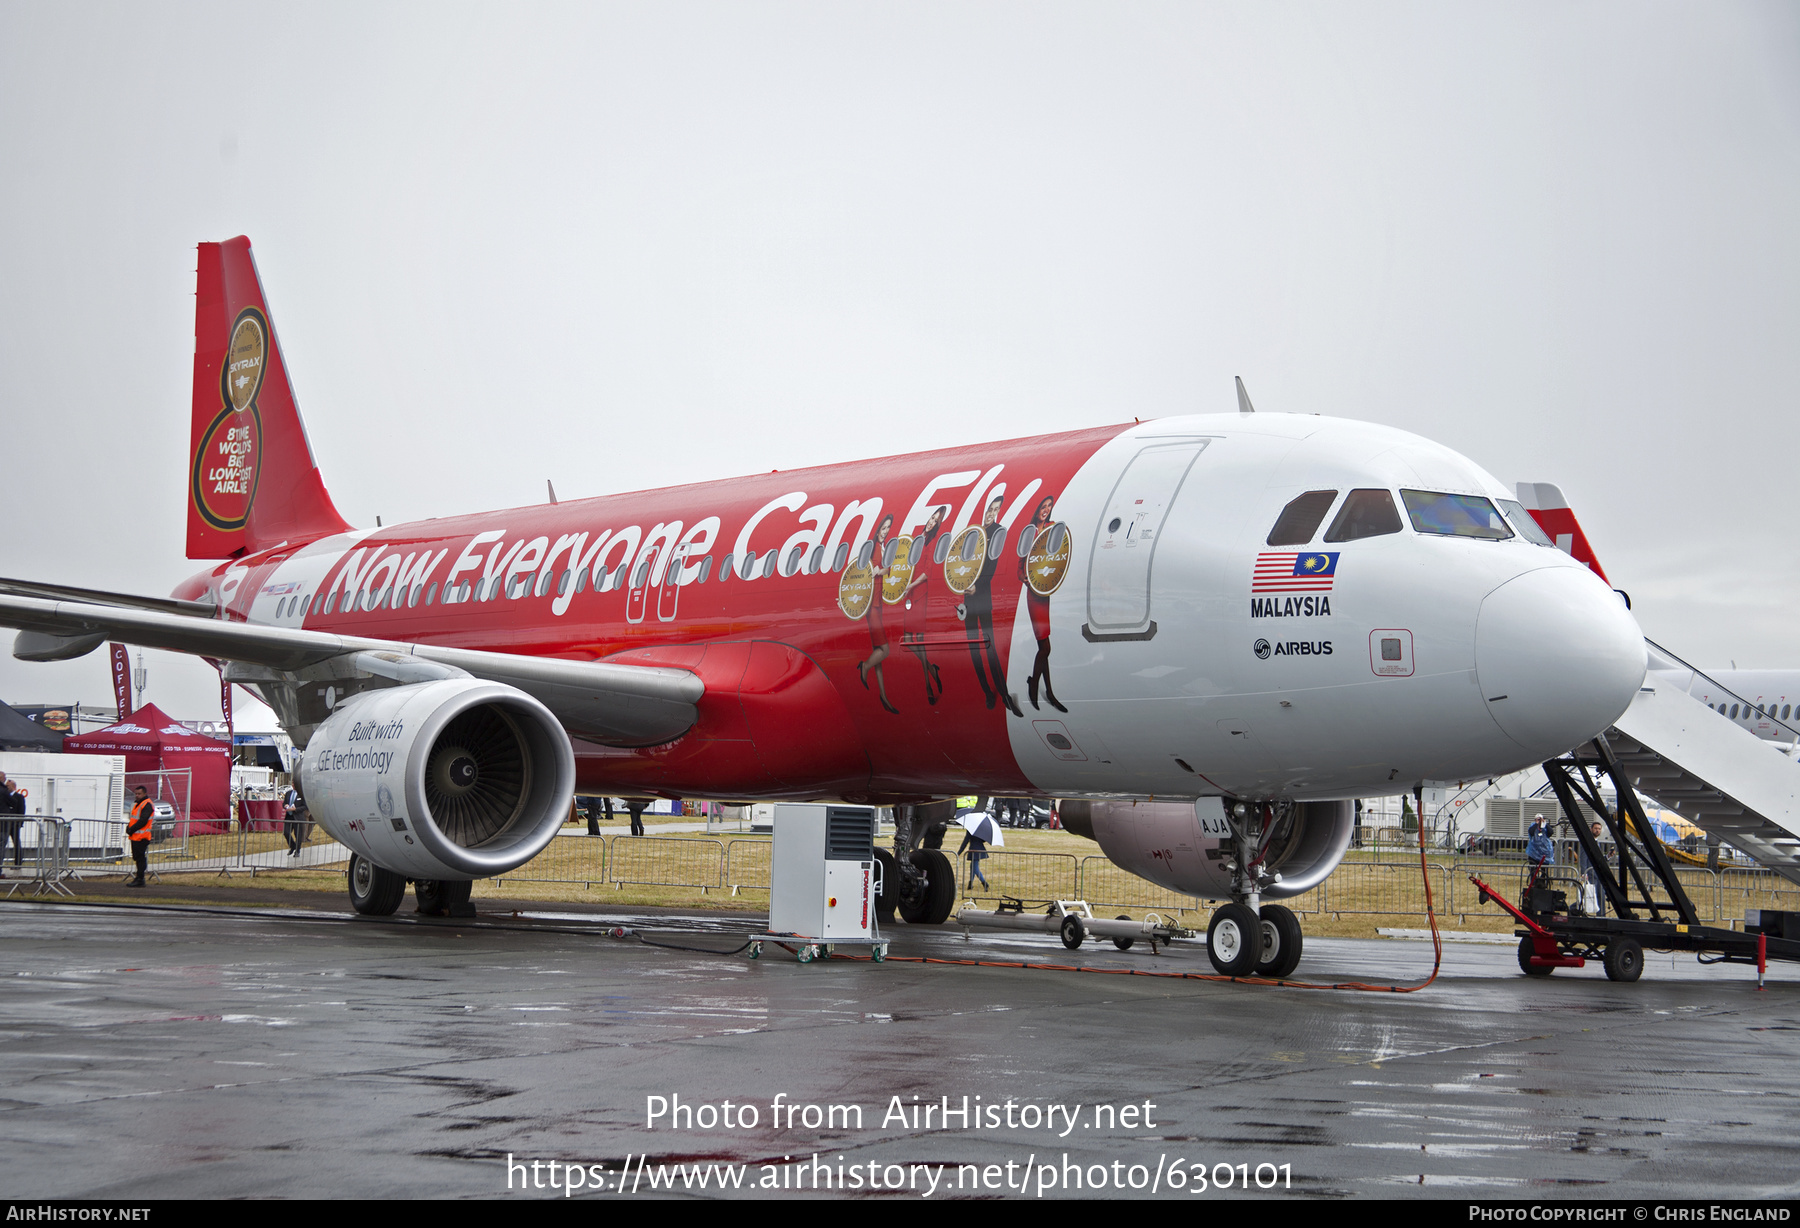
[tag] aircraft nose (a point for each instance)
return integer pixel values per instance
(1558, 658)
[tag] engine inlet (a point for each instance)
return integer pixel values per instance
(478, 777)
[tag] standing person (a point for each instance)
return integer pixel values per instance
(635, 806)
(593, 815)
(977, 848)
(15, 815)
(303, 822)
(1538, 850)
(1038, 606)
(1591, 872)
(978, 618)
(877, 632)
(916, 603)
(9, 826)
(290, 821)
(138, 831)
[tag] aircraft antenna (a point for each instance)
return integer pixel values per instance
(1244, 406)
(552, 488)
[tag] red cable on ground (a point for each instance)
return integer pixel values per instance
(1437, 946)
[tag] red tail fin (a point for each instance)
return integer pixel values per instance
(252, 481)
(1547, 506)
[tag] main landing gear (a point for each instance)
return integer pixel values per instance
(1247, 937)
(917, 879)
(375, 892)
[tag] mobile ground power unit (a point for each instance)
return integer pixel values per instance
(821, 872)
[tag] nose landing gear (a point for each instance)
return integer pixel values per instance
(1247, 936)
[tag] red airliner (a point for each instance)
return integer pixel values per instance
(1069, 615)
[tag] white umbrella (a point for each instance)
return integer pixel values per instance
(983, 827)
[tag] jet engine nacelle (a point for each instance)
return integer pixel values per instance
(455, 779)
(1184, 846)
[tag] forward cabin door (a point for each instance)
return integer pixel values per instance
(1121, 564)
(668, 597)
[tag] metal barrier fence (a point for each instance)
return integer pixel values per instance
(173, 787)
(747, 864)
(1362, 885)
(572, 857)
(1381, 888)
(667, 861)
(1102, 884)
(297, 846)
(1034, 878)
(1744, 889)
(50, 860)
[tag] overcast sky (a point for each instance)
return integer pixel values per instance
(624, 246)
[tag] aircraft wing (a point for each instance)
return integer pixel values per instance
(64, 592)
(628, 705)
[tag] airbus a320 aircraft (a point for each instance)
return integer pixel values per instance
(1215, 629)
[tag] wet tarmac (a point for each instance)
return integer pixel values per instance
(170, 1052)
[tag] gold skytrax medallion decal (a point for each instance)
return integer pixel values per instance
(244, 362)
(228, 462)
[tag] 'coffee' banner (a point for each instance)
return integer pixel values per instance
(121, 670)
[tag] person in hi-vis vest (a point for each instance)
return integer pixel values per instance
(138, 829)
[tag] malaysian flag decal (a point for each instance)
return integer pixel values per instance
(1289, 572)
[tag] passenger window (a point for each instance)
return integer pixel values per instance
(794, 557)
(1301, 518)
(705, 570)
(866, 555)
(941, 551)
(1528, 528)
(841, 557)
(431, 593)
(1455, 515)
(725, 568)
(747, 564)
(1366, 513)
(1027, 536)
(1734, 712)
(768, 567)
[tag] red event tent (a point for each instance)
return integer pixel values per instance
(152, 741)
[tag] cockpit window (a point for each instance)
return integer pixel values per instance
(1455, 515)
(1299, 520)
(1366, 513)
(1523, 521)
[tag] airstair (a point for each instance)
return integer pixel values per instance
(1724, 779)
